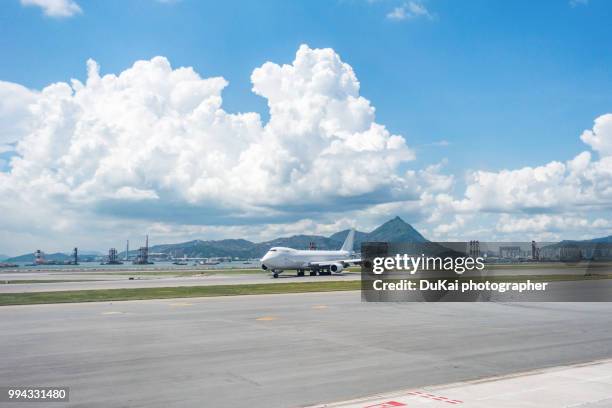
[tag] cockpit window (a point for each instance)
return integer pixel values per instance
(273, 250)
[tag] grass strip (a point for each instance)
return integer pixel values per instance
(199, 272)
(188, 272)
(105, 295)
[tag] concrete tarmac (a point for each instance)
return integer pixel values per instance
(84, 279)
(143, 281)
(586, 385)
(284, 350)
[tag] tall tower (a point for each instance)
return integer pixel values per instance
(146, 253)
(39, 257)
(535, 251)
(142, 258)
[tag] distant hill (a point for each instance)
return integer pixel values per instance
(339, 237)
(239, 247)
(585, 243)
(87, 252)
(394, 230)
(602, 240)
(58, 256)
(299, 241)
(198, 248)
(4, 257)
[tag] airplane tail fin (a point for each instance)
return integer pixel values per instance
(348, 242)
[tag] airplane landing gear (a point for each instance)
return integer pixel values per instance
(300, 272)
(275, 275)
(316, 270)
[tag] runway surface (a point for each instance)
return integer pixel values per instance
(143, 281)
(84, 279)
(284, 350)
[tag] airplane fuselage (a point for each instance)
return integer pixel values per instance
(281, 258)
(278, 259)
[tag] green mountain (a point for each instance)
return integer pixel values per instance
(198, 248)
(395, 230)
(298, 242)
(585, 243)
(602, 240)
(360, 237)
(58, 256)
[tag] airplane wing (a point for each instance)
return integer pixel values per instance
(355, 261)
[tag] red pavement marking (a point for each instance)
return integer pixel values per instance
(387, 404)
(435, 397)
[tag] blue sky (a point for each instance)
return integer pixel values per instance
(514, 82)
(483, 85)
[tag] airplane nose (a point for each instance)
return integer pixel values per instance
(263, 261)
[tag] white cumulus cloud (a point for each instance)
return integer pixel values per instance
(55, 8)
(600, 137)
(152, 147)
(581, 182)
(409, 10)
(570, 196)
(154, 142)
(15, 116)
(576, 3)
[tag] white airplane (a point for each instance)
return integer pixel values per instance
(278, 259)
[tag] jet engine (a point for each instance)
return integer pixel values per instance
(336, 268)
